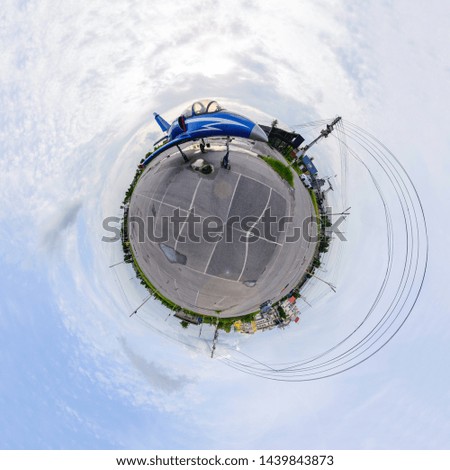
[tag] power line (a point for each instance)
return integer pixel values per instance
(403, 270)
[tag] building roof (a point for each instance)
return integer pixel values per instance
(282, 138)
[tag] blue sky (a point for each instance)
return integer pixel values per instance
(78, 86)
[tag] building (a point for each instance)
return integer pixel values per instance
(270, 318)
(290, 307)
(309, 165)
(281, 139)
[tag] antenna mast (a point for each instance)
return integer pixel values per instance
(323, 133)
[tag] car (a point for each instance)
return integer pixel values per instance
(306, 180)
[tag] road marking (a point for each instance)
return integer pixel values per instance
(189, 211)
(162, 202)
(210, 275)
(259, 237)
(228, 213)
(258, 181)
(234, 192)
(196, 298)
(248, 232)
(220, 301)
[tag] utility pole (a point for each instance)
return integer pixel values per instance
(323, 133)
(116, 264)
(302, 297)
(216, 337)
(333, 288)
(344, 212)
(329, 185)
(146, 300)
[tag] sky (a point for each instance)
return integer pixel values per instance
(78, 86)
